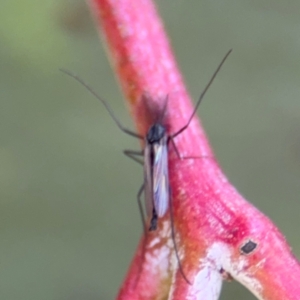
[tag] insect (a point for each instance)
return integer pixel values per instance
(155, 160)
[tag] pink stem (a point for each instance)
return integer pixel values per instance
(219, 234)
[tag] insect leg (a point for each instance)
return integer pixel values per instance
(186, 157)
(145, 235)
(109, 110)
(202, 95)
(174, 241)
(175, 147)
(141, 208)
(132, 154)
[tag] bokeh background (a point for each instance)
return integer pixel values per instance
(69, 222)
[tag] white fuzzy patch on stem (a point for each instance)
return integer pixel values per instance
(220, 256)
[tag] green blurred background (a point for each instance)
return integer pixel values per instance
(69, 222)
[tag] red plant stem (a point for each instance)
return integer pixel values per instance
(212, 221)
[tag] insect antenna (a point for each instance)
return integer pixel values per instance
(77, 78)
(201, 96)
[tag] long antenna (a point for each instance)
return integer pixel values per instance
(128, 131)
(201, 96)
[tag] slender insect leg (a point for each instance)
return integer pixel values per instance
(141, 208)
(145, 234)
(174, 241)
(186, 157)
(132, 154)
(175, 147)
(142, 260)
(197, 157)
(109, 110)
(202, 95)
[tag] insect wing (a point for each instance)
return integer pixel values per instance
(148, 189)
(160, 177)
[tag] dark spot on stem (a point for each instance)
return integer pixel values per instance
(248, 247)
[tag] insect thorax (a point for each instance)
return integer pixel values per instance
(155, 133)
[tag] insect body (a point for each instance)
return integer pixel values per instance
(156, 178)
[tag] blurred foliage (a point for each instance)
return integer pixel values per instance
(69, 221)
(28, 33)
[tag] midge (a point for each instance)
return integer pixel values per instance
(155, 153)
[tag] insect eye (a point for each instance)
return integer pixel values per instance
(248, 247)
